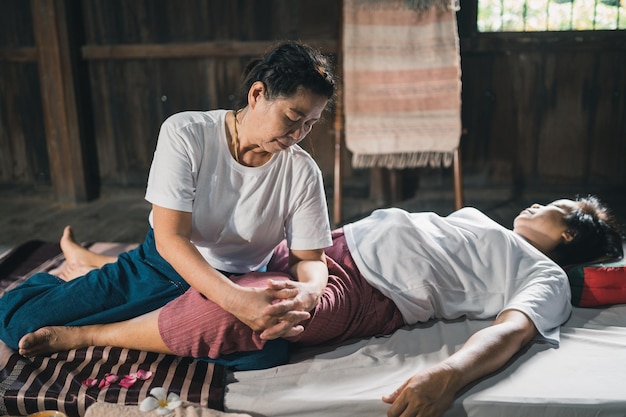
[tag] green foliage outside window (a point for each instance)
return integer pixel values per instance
(550, 15)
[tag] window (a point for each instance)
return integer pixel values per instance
(550, 15)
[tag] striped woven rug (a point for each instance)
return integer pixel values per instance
(55, 382)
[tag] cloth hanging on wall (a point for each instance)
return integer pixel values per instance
(402, 82)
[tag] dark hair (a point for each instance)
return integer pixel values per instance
(287, 67)
(596, 234)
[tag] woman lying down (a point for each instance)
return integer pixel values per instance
(390, 269)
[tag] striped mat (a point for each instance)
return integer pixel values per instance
(28, 385)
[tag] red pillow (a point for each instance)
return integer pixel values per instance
(598, 284)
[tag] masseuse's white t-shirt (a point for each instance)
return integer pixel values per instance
(239, 213)
(462, 264)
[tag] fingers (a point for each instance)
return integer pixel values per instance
(285, 312)
(394, 395)
(281, 290)
(279, 284)
(285, 328)
(397, 407)
(282, 329)
(279, 308)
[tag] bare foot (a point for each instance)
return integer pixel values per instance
(72, 250)
(79, 258)
(51, 339)
(69, 272)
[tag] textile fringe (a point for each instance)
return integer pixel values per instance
(418, 5)
(403, 160)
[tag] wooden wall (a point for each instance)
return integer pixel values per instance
(179, 55)
(545, 109)
(23, 153)
(143, 60)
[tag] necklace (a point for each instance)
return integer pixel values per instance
(235, 141)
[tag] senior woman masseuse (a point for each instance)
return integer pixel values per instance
(226, 187)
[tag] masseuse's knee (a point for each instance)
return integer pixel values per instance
(12, 324)
(26, 308)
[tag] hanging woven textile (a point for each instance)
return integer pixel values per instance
(402, 82)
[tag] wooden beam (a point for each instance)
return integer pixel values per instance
(24, 54)
(458, 179)
(506, 42)
(191, 49)
(339, 125)
(58, 77)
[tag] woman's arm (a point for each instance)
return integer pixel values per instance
(172, 231)
(309, 269)
(430, 393)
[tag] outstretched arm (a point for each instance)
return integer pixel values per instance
(252, 306)
(431, 392)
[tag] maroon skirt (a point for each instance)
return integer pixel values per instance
(349, 308)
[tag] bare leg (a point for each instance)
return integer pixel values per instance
(79, 260)
(141, 333)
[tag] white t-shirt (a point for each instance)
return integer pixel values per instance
(462, 264)
(239, 213)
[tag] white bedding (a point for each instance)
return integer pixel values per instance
(585, 376)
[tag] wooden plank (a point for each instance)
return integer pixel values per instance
(338, 127)
(23, 152)
(501, 153)
(606, 105)
(221, 49)
(477, 110)
(526, 73)
(458, 179)
(562, 138)
(58, 76)
(24, 54)
(503, 42)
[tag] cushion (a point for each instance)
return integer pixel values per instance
(598, 284)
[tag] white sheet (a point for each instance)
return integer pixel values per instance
(585, 376)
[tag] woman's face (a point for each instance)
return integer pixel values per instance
(544, 226)
(282, 122)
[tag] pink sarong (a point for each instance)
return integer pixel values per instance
(349, 308)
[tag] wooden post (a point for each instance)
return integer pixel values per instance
(458, 179)
(337, 173)
(338, 127)
(57, 57)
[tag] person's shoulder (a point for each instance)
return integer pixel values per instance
(469, 211)
(300, 159)
(473, 214)
(186, 118)
(296, 151)
(474, 219)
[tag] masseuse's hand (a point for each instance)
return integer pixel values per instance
(281, 304)
(291, 300)
(295, 295)
(274, 311)
(310, 273)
